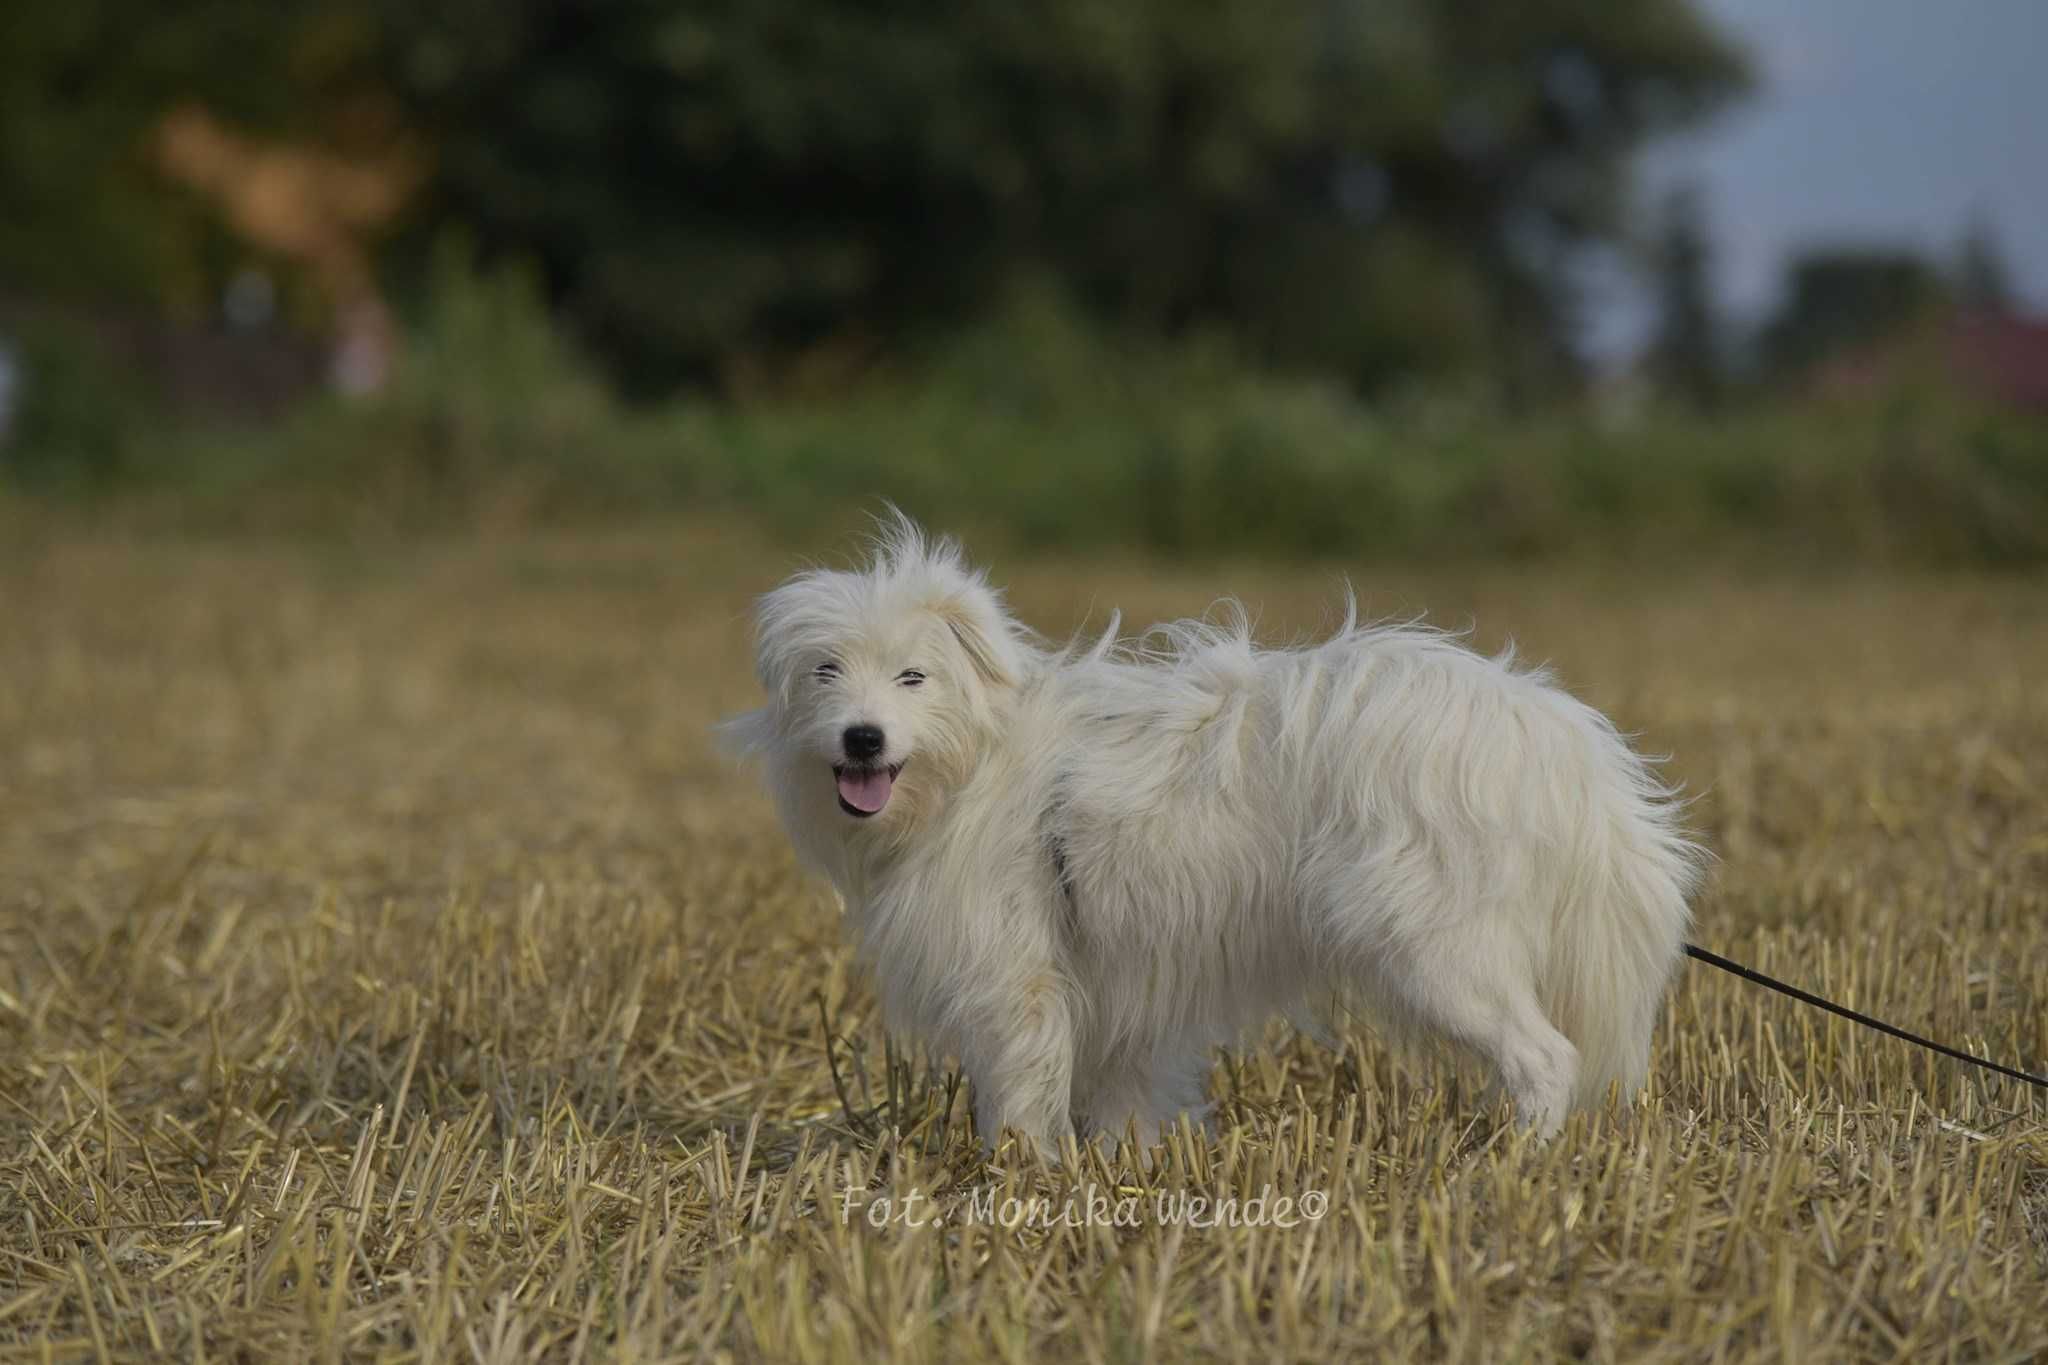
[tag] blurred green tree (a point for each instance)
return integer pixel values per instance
(1364, 187)
(1361, 187)
(85, 215)
(98, 252)
(1686, 355)
(1983, 284)
(1839, 300)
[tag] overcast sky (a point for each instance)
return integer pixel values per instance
(1876, 121)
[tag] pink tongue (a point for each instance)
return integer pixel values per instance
(866, 792)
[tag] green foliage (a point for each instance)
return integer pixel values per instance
(1983, 282)
(1184, 450)
(86, 217)
(710, 187)
(1039, 428)
(1840, 299)
(1361, 190)
(1687, 355)
(493, 415)
(489, 380)
(79, 417)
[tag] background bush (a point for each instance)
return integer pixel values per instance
(1037, 429)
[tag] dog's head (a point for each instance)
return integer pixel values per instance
(884, 683)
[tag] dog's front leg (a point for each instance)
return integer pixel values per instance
(1023, 1063)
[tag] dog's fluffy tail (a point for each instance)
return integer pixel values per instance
(1620, 931)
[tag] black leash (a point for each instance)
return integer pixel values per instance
(1808, 997)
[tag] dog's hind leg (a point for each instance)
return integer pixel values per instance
(1149, 1094)
(1476, 997)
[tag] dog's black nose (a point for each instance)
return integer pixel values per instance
(863, 741)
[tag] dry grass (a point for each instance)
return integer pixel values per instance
(389, 969)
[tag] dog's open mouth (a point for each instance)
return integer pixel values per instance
(863, 790)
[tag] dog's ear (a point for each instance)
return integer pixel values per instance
(984, 634)
(746, 735)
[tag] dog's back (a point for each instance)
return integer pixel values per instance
(1387, 814)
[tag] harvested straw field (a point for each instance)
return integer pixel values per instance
(390, 969)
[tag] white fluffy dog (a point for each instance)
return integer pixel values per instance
(1079, 870)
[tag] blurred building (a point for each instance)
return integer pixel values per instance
(2001, 358)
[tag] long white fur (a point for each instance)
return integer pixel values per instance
(1100, 862)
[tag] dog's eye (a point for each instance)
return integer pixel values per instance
(827, 671)
(910, 677)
